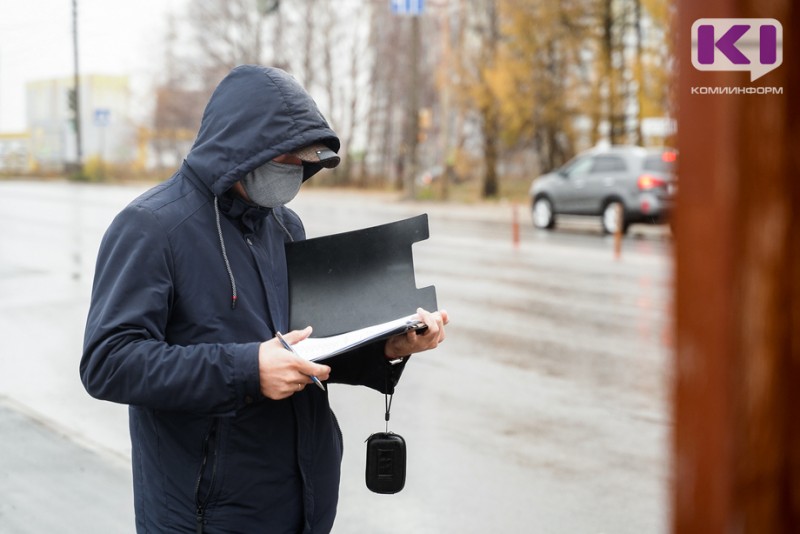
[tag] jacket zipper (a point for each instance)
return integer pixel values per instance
(209, 446)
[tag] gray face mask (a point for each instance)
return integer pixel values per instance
(273, 184)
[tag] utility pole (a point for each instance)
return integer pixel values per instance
(77, 90)
(412, 114)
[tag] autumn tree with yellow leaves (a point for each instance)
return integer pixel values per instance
(554, 76)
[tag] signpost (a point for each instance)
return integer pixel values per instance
(412, 8)
(407, 7)
(102, 116)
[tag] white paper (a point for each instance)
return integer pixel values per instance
(315, 348)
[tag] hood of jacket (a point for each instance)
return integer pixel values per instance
(254, 115)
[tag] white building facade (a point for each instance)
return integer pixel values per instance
(107, 132)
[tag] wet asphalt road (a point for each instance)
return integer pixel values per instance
(546, 409)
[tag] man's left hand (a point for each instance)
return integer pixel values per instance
(412, 342)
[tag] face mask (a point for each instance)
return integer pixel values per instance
(273, 184)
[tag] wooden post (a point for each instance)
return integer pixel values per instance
(514, 225)
(736, 448)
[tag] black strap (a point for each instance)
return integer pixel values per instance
(388, 407)
(388, 403)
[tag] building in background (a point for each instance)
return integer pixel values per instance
(15, 153)
(108, 134)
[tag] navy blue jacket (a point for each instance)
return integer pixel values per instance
(162, 335)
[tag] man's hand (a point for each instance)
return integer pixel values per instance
(411, 342)
(283, 374)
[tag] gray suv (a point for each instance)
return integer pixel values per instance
(638, 181)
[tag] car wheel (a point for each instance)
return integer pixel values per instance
(610, 217)
(543, 216)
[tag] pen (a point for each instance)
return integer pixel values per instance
(290, 349)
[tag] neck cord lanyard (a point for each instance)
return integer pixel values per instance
(388, 403)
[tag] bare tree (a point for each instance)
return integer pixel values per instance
(386, 94)
(178, 107)
(477, 60)
(227, 33)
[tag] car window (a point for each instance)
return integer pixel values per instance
(664, 162)
(579, 167)
(608, 163)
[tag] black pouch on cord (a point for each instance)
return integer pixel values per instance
(386, 456)
(386, 462)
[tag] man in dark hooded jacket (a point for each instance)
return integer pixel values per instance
(190, 288)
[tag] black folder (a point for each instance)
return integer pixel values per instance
(353, 280)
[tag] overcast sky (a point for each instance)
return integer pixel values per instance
(115, 37)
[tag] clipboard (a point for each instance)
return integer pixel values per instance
(353, 280)
(320, 349)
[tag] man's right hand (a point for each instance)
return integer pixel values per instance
(282, 374)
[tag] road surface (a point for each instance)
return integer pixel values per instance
(545, 410)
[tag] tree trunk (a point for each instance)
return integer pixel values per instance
(490, 151)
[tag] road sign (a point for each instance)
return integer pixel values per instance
(102, 116)
(407, 7)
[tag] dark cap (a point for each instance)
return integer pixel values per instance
(319, 154)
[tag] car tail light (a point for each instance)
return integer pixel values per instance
(648, 181)
(669, 157)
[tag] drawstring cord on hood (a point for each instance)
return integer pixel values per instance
(234, 297)
(283, 226)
